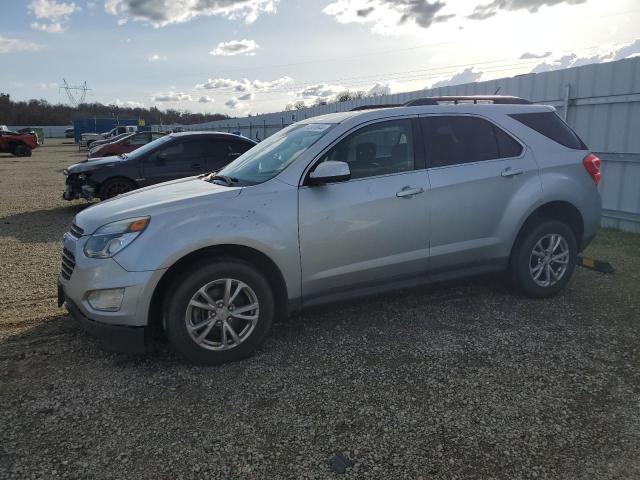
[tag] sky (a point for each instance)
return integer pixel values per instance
(240, 57)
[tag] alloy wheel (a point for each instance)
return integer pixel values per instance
(549, 259)
(222, 314)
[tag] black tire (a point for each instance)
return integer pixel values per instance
(523, 260)
(115, 186)
(185, 287)
(21, 150)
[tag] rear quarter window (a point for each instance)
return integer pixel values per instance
(551, 126)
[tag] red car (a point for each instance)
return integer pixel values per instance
(124, 145)
(18, 144)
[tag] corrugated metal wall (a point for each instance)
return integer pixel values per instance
(49, 131)
(603, 107)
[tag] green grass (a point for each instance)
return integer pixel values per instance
(624, 243)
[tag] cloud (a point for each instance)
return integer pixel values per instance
(320, 90)
(235, 47)
(246, 97)
(205, 99)
(386, 88)
(172, 97)
(9, 45)
(232, 103)
(128, 103)
(48, 86)
(160, 13)
(481, 12)
(468, 75)
(573, 60)
(156, 58)
(389, 16)
(529, 55)
(244, 85)
(54, 15)
(53, 27)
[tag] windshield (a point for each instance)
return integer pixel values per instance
(149, 146)
(273, 155)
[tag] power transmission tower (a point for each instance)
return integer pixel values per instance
(76, 93)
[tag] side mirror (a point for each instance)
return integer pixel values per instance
(330, 172)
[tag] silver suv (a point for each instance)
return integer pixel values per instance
(332, 207)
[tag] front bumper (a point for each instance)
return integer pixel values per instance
(75, 189)
(114, 338)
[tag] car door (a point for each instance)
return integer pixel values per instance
(476, 170)
(372, 230)
(176, 159)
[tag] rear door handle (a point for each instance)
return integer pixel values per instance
(511, 172)
(196, 166)
(408, 192)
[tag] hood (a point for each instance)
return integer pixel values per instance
(95, 164)
(186, 194)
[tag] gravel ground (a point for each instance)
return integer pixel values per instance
(463, 380)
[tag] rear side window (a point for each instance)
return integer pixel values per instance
(455, 140)
(551, 126)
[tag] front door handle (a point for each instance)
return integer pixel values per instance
(196, 166)
(408, 192)
(511, 172)
(235, 154)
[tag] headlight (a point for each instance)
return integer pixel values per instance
(114, 237)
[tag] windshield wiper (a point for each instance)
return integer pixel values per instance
(214, 176)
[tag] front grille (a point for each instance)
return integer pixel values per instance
(68, 264)
(76, 231)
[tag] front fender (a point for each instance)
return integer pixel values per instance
(263, 219)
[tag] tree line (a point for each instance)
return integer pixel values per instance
(41, 112)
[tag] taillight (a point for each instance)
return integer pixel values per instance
(592, 164)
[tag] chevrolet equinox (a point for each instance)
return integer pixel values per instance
(333, 207)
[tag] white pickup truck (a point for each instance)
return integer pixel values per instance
(87, 138)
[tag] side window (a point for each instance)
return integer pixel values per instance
(217, 153)
(175, 149)
(194, 148)
(507, 145)
(553, 127)
(455, 140)
(378, 149)
(239, 147)
(139, 140)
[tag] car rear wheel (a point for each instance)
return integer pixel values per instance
(21, 151)
(544, 259)
(114, 187)
(219, 313)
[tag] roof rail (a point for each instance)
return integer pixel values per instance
(373, 107)
(495, 99)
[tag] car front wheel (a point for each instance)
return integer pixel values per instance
(219, 313)
(544, 259)
(114, 187)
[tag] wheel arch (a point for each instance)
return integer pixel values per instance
(114, 177)
(256, 258)
(560, 210)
